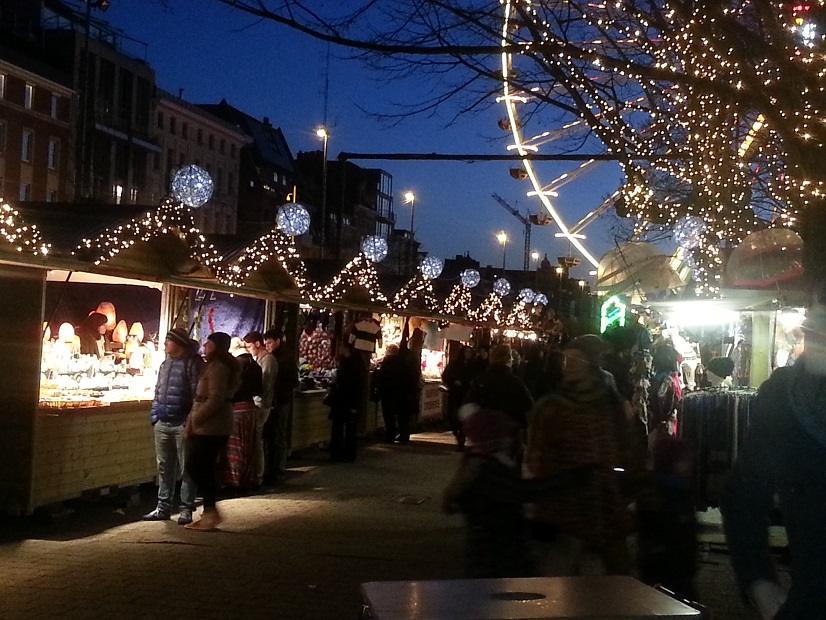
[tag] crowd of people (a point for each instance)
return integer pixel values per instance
(219, 420)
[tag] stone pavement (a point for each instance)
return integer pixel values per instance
(298, 553)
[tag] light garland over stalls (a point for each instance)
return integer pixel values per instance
(358, 272)
(490, 310)
(24, 238)
(520, 316)
(273, 246)
(169, 218)
(418, 287)
(458, 302)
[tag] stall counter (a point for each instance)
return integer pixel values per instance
(81, 449)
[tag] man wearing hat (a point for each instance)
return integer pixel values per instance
(174, 393)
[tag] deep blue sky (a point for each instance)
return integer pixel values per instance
(212, 52)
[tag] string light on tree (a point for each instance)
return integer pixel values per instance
(273, 246)
(458, 302)
(418, 289)
(358, 272)
(490, 311)
(192, 186)
(688, 232)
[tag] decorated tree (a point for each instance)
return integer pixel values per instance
(712, 109)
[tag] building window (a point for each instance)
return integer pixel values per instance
(200, 136)
(222, 147)
(28, 138)
(133, 195)
(28, 96)
(54, 106)
(25, 192)
(232, 151)
(51, 195)
(117, 193)
(160, 120)
(185, 130)
(2, 85)
(53, 154)
(211, 142)
(219, 182)
(156, 161)
(173, 125)
(230, 183)
(2, 138)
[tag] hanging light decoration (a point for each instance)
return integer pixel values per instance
(526, 295)
(540, 299)
(374, 248)
(192, 186)
(501, 287)
(293, 219)
(432, 267)
(470, 278)
(688, 232)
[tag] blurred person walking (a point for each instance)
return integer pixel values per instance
(264, 443)
(278, 425)
(343, 399)
(457, 378)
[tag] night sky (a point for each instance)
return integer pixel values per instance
(213, 52)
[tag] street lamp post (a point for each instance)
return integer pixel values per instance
(322, 133)
(502, 238)
(410, 198)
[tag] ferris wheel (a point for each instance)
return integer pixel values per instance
(524, 147)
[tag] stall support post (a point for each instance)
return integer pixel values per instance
(291, 332)
(21, 315)
(761, 348)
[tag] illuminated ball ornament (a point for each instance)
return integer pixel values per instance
(501, 287)
(526, 295)
(432, 267)
(192, 186)
(688, 230)
(470, 278)
(293, 219)
(540, 299)
(374, 248)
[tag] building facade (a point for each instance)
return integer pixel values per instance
(188, 134)
(35, 131)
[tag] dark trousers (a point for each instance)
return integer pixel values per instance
(202, 453)
(396, 413)
(343, 439)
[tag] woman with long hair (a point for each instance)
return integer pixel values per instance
(210, 424)
(91, 332)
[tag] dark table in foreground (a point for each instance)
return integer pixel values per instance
(541, 598)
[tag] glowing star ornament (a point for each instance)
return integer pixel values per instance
(526, 295)
(374, 248)
(540, 299)
(470, 278)
(688, 232)
(432, 267)
(293, 219)
(192, 186)
(501, 287)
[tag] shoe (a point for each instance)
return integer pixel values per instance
(185, 518)
(209, 521)
(157, 515)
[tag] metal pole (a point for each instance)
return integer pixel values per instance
(324, 197)
(504, 248)
(412, 240)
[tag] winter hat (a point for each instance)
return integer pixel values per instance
(179, 336)
(221, 340)
(721, 366)
(488, 429)
(591, 345)
(237, 347)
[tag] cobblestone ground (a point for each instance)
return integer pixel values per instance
(298, 553)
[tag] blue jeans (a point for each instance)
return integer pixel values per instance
(169, 455)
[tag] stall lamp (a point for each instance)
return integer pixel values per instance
(120, 333)
(137, 331)
(66, 332)
(47, 332)
(107, 308)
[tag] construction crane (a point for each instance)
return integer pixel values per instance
(527, 222)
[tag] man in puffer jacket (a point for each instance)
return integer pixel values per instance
(174, 393)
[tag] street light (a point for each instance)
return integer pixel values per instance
(410, 198)
(321, 132)
(502, 238)
(535, 256)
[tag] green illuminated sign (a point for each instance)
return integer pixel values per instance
(612, 312)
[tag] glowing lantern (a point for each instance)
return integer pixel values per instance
(107, 309)
(293, 219)
(470, 278)
(501, 287)
(432, 267)
(120, 333)
(192, 186)
(137, 331)
(66, 333)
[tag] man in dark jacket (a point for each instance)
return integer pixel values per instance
(784, 454)
(174, 392)
(286, 380)
(499, 389)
